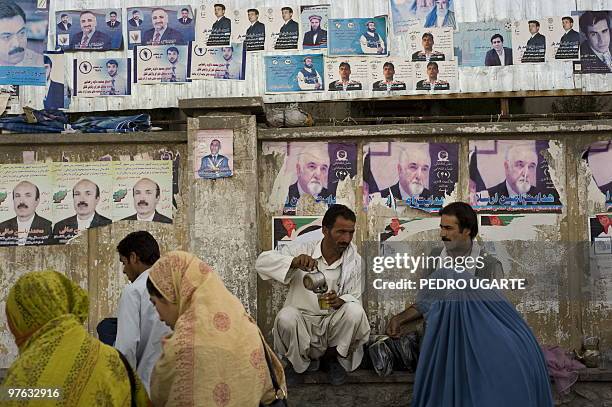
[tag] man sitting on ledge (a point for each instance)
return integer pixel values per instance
(306, 329)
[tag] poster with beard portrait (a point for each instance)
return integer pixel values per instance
(25, 28)
(315, 23)
(511, 175)
(598, 157)
(310, 168)
(358, 36)
(417, 175)
(82, 196)
(409, 14)
(25, 204)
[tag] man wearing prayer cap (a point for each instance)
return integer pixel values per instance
(316, 37)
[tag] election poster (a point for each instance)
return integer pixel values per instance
(82, 196)
(89, 29)
(142, 191)
(600, 233)
(57, 95)
(213, 154)
(284, 27)
(294, 73)
(250, 28)
(214, 23)
(565, 39)
(25, 40)
(25, 204)
(484, 44)
(431, 44)
(161, 64)
(409, 14)
(347, 74)
(315, 23)
(295, 229)
(511, 175)
(310, 168)
(598, 157)
(358, 36)
(391, 75)
(595, 47)
(218, 63)
(160, 25)
(417, 175)
(529, 41)
(434, 77)
(102, 77)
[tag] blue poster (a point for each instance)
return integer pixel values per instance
(358, 36)
(24, 35)
(162, 25)
(484, 44)
(88, 30)
(295, 73)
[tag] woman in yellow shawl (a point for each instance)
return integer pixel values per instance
(215, 355)
(45, 313)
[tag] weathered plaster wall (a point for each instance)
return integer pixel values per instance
(559, 311)
(91, 260)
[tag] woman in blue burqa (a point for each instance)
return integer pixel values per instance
(477, 351)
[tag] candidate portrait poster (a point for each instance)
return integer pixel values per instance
(430, 44)
(21, 58)
(418, 175)
(408, 14)
(161, 25)
(595, 45)
(213, 154)
(436, 76)
(347, 74)
(530, 41)
(511, 175)
(214, 23)
(161, 64)
(391, 75)
(56, 90)
(25, 194)
(284, 27)
(218, 63)
(295, 229)
(89, 29)
(294, 73)
(249, 28)
(599, 159)
(315, 24)
(310, 168)
(484, 44)
(102, 77)
(358, 36)
(142, 191)
(565, 40)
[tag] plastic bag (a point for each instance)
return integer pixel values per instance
(289, 116)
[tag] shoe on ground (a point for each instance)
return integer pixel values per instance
(336, 374)
(291, 377)
(314, 365)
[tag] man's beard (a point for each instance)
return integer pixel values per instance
(309, 66)
(314, 187)
(523, 185)
(372, 30)
(416, 188)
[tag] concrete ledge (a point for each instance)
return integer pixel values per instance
(153, 137)
(201, 106)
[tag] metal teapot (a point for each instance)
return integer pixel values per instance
(315, 281)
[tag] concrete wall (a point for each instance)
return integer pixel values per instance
(561, 315)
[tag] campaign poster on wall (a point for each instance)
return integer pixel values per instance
(511, 175)
(218, 63)
(565, 40)
(347, 74)
(284, 27)
(358, 36)
(484, 44)
(56, 93)
(160, 25)
(529, 41)
(102, 77)
(89, 29)
(391, 75)
(21, 58)
(213, 154)
(599, 158)
(595, 47)
(315, 23)
(295, 229)
(250, 28)
(434, 77)
(294, 73)
(214, 23)
(408, 14)
(161, 64)
(431, 44)
(418, 175)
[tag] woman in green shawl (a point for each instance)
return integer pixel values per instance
(45, 313)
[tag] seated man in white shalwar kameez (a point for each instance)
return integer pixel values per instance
(303, 332)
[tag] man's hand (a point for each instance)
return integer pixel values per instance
(393, 327)
(303, 262)
(333, 300)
